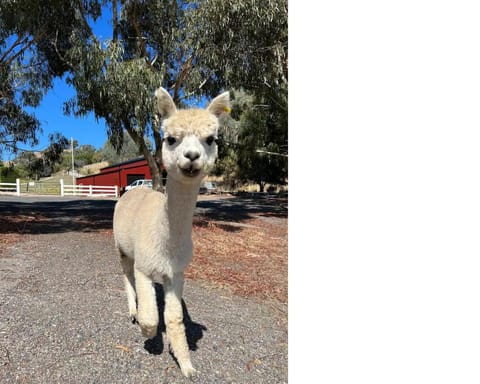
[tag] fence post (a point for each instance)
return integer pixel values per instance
(62, 193)
(90, 190)
(18, 187)
(116, 190)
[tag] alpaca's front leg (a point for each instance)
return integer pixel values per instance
(129, 281)
(174, 323)
(147, 305)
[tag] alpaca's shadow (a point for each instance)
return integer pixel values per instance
(193, 331)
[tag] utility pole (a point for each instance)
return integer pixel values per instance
(73, 164)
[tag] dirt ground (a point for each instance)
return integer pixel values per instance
(63, 316)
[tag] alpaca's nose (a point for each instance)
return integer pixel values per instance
(192, 155)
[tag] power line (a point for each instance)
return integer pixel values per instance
(271, 153)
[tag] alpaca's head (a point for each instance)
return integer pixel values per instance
(189, 147)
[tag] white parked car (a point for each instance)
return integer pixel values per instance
(208, 187)
(139, 183)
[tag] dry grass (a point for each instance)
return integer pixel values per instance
(249, 258)
(7, 239)
(12, 228)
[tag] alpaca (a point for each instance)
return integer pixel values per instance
(153, 231)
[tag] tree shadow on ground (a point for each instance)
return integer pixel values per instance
(91, 215)
(194, 331)
(56, 216)
(242, 209)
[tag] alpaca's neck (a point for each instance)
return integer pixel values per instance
(181, 201)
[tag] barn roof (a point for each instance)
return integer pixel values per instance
(123, 163)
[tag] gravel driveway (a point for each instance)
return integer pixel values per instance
(63, 313)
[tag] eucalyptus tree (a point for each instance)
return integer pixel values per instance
(192, 48)
(243, 44)
(128, 151)
(116, 79)
(117, 90)
(252, 146)
(240, 44)
(32, 33)
(261, 150)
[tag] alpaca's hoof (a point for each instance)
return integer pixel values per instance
(187, 369)
(149, 331)
(132, 315)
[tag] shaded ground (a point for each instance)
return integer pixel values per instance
(35, 215)
(54, 215)
(63, 314)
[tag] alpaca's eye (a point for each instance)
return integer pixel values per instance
(171, 140)
(210, 140)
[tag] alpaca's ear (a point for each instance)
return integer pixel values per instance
(165, 103)
(220, 104)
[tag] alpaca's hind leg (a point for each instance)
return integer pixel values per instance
(174, 323)
(129, 281)
(147, 315)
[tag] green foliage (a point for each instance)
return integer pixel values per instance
(36, 165)
(118, 90)
(240, 44)
(227, 165)
(8, 174)
(28, 165)
(243, 45)
(83, 155)
(129, 151)
(32, 35)
(253, 143)
(86, 154)
(54, 151)
(259, 156)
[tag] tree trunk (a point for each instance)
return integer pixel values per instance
(155, 171)
(155, 167)
(262, 186)
(158, 154)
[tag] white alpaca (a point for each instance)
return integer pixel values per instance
(153, 232)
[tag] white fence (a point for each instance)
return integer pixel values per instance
(67, 190)
(11, 187)
(88, 190)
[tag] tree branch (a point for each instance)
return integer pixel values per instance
(115, 20)
(58, 52)
(184, 72)
(17, 42)
(27, 45)
(84, 18)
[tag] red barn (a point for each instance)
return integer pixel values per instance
(121, 174)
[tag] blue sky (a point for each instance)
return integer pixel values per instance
(85, 130)
(50, 113)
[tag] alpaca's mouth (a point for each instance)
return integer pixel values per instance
(190, 172)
